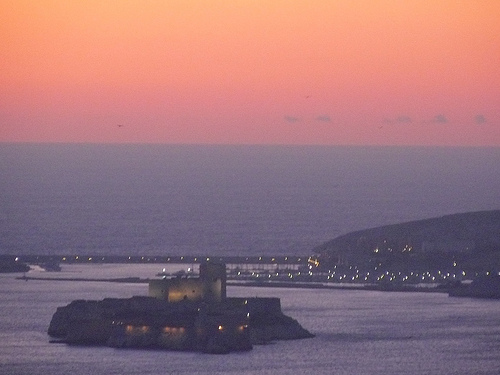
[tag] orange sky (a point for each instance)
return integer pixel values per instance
(251, 72)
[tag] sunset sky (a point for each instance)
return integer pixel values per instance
(346, 72)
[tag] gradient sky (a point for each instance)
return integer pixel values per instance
(347, 72)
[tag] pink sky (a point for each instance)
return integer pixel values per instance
(340, 72)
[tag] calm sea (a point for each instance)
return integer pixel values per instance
(226, 200)
(357, 332)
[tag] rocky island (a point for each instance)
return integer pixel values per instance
(188, 314)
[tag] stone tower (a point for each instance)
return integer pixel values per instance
(213, 280)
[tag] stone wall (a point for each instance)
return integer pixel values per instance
(257, 305)
(210, 286)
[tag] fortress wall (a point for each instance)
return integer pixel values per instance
(177, 289)
(182, 289)
(257, 305)
(158, 289)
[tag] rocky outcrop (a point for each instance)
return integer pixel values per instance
(266, 329)
(146, 322)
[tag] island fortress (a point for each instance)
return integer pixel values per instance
(180, 313)
(209, 287)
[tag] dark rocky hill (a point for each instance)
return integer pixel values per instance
(472, 238)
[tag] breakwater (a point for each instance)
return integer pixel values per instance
(291, 261)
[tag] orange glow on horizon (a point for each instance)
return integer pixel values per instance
(272, 72)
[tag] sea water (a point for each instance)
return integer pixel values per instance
(73, 199)
(357, 332)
